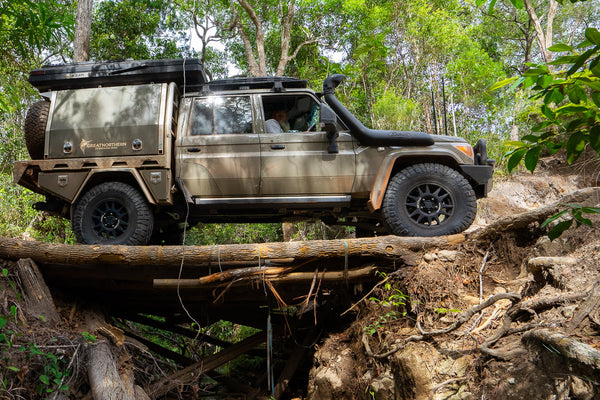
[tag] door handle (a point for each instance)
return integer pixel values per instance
(278, 146)
(193, 149)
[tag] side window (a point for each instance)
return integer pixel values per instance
(290, 113)
(220, 115)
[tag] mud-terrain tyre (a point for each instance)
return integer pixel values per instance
(35, 128)
(428, 200)
(113, 213)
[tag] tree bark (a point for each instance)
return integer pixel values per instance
(260, 39)
(568, 347)
(38, 300)
(108, 380)
(333, 276)
(391, 247)
(83, 27)
(544, 39)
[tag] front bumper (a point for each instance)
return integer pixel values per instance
(480, 174)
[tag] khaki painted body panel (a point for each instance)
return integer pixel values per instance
(65, 184)
(219, 165)
(159, 183)
(107, 122)
(297, 163)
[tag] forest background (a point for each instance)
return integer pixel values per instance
(423, 65)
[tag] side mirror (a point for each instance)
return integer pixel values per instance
(328, 121)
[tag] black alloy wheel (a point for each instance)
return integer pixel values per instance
(113, 213)
(428, 200)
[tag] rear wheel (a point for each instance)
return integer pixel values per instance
(113, 213)
(429, 200)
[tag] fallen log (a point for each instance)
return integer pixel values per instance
(109, 380)
(393, 247)
(521, 221)
(38, 300)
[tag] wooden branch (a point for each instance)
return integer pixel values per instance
(258, 273)
(160, 350)
(513, 312)
(521, 221)
(260, 36)
(192, 373)
(37, 296)
(189, 333)
(384, 246)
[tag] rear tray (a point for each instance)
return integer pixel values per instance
(118, 73)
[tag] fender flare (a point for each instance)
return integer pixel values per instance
(134, 173)
(392, 161)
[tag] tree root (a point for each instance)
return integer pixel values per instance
(515, 310)
(568, 347)
(465, 317)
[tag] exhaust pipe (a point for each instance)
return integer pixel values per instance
(367, 136)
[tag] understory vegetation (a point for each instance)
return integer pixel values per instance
(522, 74)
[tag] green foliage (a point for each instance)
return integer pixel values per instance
(54, 370)
(569, 104)
(137, 29)
(569, 101)
(565, 221)
(396, 112)
(519, 4)
(88, 337)
(30, 31)
(209, 234)
(19, 218)
(443, 310)
(390, 304)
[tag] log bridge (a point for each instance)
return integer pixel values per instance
(246, 284)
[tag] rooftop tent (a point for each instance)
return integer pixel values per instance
(118, 73)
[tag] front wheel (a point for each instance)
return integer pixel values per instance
(428, 200)
(113, 213)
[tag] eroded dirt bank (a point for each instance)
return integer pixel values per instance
(419, 335)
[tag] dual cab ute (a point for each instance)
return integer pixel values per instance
(133, 151)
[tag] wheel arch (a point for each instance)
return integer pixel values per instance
(129, 176)
(395, 163)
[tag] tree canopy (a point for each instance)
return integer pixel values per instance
(421, 65)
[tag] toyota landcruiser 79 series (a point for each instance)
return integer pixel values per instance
(133, 151)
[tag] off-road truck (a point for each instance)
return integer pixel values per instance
(132, 151)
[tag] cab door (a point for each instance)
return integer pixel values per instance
(219, 152)
(297, 162)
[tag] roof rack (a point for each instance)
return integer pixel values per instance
(275, 83)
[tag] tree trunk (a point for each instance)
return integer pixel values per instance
(261, 66)
(83, 27)
(544, 39)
